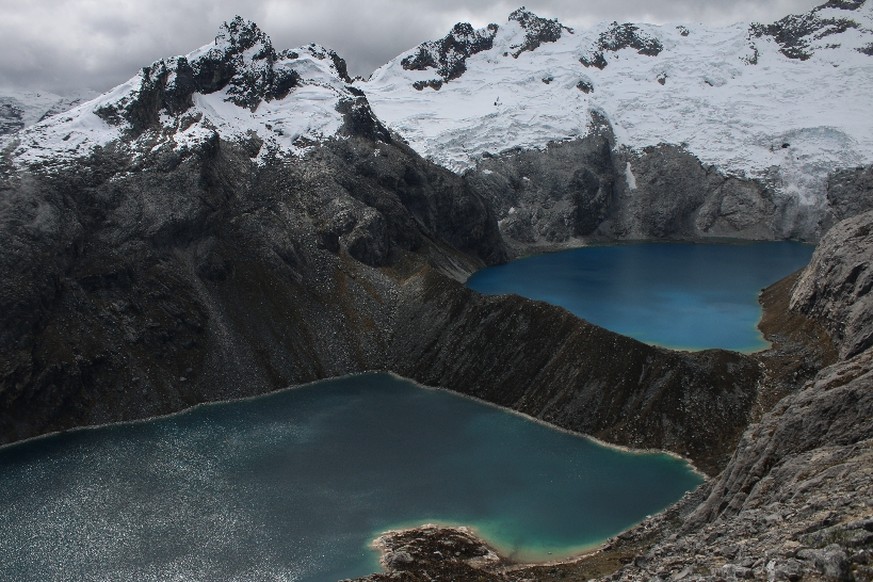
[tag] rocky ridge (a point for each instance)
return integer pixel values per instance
(236, 88)
(836, 287)
(793, 502)
(20, 109)
(666, 91)
(181, 259)
(800, 36)
(160, 271)
(448, 56)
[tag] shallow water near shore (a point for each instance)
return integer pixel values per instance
(295, 485)
(678, 295)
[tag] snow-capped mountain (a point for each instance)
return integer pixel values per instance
(236, 87)
(787, 102)
(20, 109)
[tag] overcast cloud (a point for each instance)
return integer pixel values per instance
(58, 45)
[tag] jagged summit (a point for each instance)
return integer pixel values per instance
(735, 97)
(236, 87)
(833, 25)
(537, 30)
(447, 57)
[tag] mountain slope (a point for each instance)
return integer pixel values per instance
(172, 242)
(169, 253)
(237, 220)
(784, 104)
(20, 109)
(236, 88)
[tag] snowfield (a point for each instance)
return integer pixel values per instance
(290, 125)
(730, 98)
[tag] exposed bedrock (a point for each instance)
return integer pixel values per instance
(795, 502)
(545, 362)
(836, 286)
(589, 189)
(130, 291)
(136, 288)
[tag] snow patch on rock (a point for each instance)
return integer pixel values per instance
(288, 100)
(730, 98)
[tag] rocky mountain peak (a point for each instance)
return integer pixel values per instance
(827, 26)
(237, 87)
(241, 61)
(537, 30)
(239, 35)
(621, 36)
(449, 54)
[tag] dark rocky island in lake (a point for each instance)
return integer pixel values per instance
(169, 254)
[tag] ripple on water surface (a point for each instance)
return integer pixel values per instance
(294, 486)
(678, 295)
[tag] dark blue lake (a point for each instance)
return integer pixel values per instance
(295, 485)
(678, 295)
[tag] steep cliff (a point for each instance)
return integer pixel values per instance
(794, 502)
(587, 189)
(740, 131)
(181, 246)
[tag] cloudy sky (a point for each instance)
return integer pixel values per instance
(59, 45)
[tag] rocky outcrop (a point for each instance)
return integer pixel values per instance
(448, 55)
(11, 116)
(587, 189)
(537, 30)
(435, 553)
(849, 193)
(793, 504)
(135, 288)
(836, 287)
(617, 37)
(799, 35)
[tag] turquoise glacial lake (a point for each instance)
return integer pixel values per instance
(295, 486)
(677, 295)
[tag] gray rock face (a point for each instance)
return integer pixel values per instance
(541, 360)
(836, 287)
(849, 193)
(549, 197)
(794, 502)
(11, 117)
(133, 291)
(586, 189)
